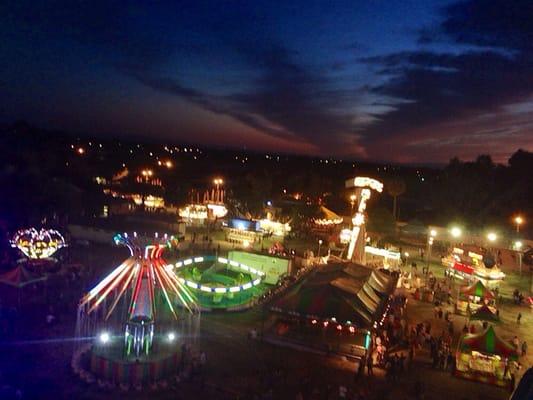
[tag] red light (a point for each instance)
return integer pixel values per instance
(339, 327)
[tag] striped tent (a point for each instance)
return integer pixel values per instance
(20, 277)
(487, 342)
(346, 294)
(479, 290)
(484, 313)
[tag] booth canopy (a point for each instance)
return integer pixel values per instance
(487, 342)
(479, 290)
(484, 313)
(20, 277)
(326, 216)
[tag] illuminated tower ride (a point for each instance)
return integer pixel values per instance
(140, 304)
(363, 186)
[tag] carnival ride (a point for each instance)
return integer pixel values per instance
(38, 245)
(364, 187)
(219, 282)
(136, 314)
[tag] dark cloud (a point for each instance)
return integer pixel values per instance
(439, 87)
(284, 102)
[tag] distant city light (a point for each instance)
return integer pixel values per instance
(81, 150)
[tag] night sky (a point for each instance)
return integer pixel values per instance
(403, 81)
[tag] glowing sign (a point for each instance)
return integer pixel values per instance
(218, 210)
(36, 244)
(363, 181)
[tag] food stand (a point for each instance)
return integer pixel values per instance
(485, 357)
(469, 265)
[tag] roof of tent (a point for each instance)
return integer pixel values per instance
(20, 277)
(343, 293)
(380, 282)
(479, 290)
(327, 214)
(487, 342)
(484, 313)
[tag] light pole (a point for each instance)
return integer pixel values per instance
(431, 238)
(518, 248)
(518, 220)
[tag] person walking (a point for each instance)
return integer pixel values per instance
(369, 365)
(518, 318)
(524, 348)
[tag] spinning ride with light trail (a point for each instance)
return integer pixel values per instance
(38, 245)
(364, 187)
(137, 313)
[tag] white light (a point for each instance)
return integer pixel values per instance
(406, 254)
(104, 337)
(171, 336)
(234, 289)
(518, 245)
(247, 285)
(456, 232)
(198, 259)
(492, 236)
(220, 290)
(433, 233)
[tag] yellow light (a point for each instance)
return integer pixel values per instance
(456, 232)
(168, 164)
(518, 245)
(81, 150)
(492, 236)
(433, 233)
(353, 197)
(519, 220)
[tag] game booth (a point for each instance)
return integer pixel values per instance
(473, 297)
(468, 265)
(335, 307)
(485, 357)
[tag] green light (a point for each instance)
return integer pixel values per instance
(367, 340)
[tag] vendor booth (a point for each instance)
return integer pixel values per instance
(468, 265)
(473, 297)
(485, 357)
